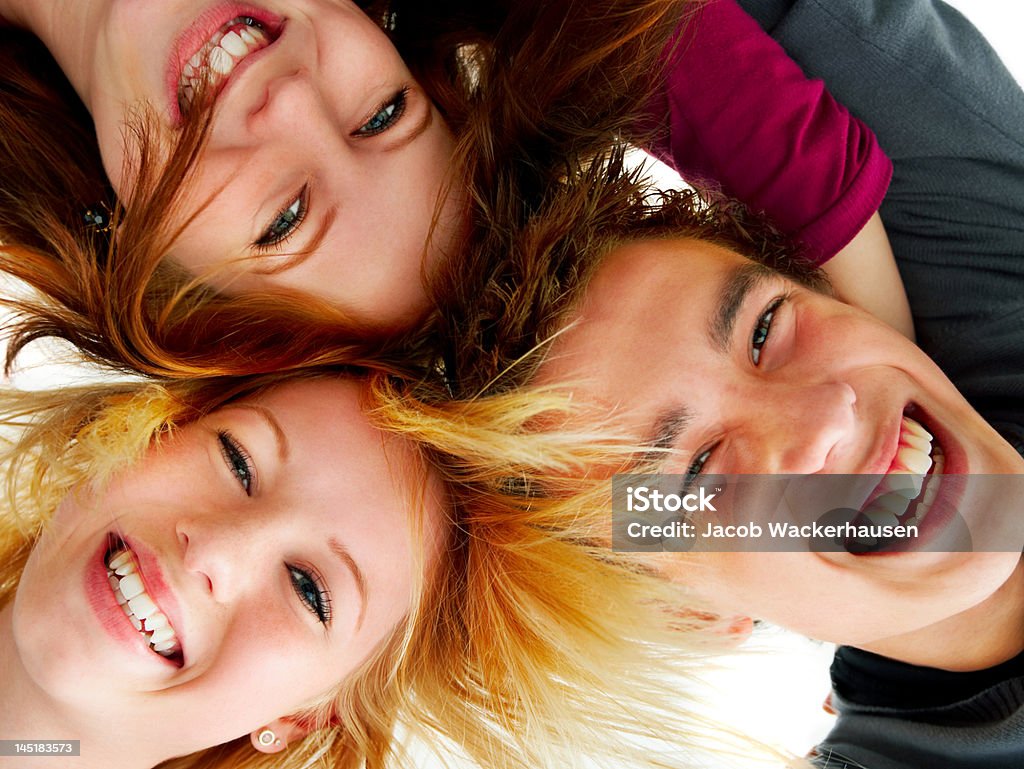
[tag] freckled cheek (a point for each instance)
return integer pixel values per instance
(266, 635)
(256, 678)
(208, 248)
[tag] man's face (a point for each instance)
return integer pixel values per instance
(737, 370)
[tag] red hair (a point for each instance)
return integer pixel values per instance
(525, 84)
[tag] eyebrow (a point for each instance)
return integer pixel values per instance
(667, 428)
(346, 558)
(280, 439)
(733, 292)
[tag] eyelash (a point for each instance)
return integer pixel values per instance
(238, 461)
(286, 222)
(762, 329)
(396, 104)
(696, 467)
(318, 601)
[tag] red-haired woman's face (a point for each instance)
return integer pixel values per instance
(326, 158)
(264, 552)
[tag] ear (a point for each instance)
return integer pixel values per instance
(737, 629)
(275, 736)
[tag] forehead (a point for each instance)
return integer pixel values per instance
(633, 275)
(365, 488)
(328, 438)
(645, 295)
(318, 408)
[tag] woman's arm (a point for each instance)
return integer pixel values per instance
(739, 112)
(864, 274)
(736, 110)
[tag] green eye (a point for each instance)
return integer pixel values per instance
(762, 330)
(286, 222)
(386, 115)
(238, 461)
(309, 588)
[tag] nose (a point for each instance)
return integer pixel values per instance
(798, 428)
(288, 114)
(225, 553)
(292, 103)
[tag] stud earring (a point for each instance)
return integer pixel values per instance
(98, 218)
(266, 738)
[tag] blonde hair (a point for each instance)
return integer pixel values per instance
(531, 643)
(585, 650)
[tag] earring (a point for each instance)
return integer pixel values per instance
(266, 738)
(97, 217)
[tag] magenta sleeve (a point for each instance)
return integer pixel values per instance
(737, 112)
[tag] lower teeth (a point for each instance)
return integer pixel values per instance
(898, 505)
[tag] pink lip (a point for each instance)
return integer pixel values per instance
(945, 510)
(942, 514)
(885, 455)
(956, 457)
(195, 36)
(112, 618)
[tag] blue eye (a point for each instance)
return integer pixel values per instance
(286, 222)
(310, 590)
(762, 330)
(386, 115)
(238, 461)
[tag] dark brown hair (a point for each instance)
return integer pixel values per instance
(501, 303)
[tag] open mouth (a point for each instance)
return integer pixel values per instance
(125, 580)
(210, 67)
(906, 492)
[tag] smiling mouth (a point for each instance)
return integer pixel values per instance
(211, 66)
(906, 492)
(125, 580)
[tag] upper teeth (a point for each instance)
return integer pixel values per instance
(126, 582)
(915, 457)
(215, 61)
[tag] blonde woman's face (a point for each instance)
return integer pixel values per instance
(326, 158)
(270, 546)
